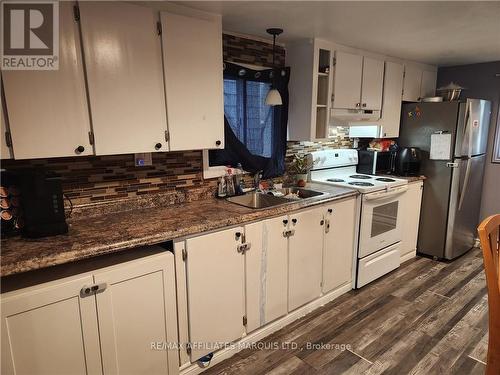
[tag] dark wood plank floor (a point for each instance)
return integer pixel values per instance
(427, 317)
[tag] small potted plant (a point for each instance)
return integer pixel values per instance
(300, 167)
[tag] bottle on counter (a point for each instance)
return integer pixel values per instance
(221, 188)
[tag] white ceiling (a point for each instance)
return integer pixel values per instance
(438, 32)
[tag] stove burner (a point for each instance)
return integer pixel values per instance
(358, 183)
(335, 180)
(385, 179)
(360, 176)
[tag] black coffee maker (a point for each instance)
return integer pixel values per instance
(408, 161)
(42, 204)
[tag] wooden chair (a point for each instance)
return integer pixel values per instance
(489, 234)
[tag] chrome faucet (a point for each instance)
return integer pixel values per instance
(256, 179)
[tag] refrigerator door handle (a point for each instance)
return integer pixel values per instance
(467, 130)
(466, 182)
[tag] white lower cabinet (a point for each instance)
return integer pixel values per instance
(50, 329)
(305, 249)
(215, 290)
(410, 204)
(57, 328)
(266, 276)
(137, 309)
(338, 251)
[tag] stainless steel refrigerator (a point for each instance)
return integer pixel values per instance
(452, 191)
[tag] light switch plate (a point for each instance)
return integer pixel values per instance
(143, 159)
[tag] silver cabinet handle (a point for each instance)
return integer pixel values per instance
(452, 165)
(244, 247)
(88, 290)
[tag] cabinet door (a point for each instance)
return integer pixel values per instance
(192, 55)
(428, 85)
(411, 201)
(391, 110)
(50, 329)
(373, 80)
(47, 110)
(138, 308)
(347, 81)
(266, 265)
(340, 224)
(5, 150)
(412, 82)
(305, 248)
(124, 71)
(215, 287)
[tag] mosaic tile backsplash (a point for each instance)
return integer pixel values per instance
(174, 177)
(243, 50)
(92, 179)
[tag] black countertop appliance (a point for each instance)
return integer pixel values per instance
(408, 161)
(376, 162)
(42, 204)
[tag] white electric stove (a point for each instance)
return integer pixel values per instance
(380, 223)
(338, 167)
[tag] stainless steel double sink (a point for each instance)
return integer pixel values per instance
(276, 197)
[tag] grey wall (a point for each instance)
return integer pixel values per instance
(481, 83)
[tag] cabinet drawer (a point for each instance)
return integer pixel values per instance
(376, 265)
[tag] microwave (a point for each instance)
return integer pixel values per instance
(376, 162)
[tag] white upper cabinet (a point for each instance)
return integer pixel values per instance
(391, 111)
(347, 81)
(371, 88)
(47, 110)
(310, 89)
(358, 82)
(5, 147)
(418, 83)
(428, 85)
(192, 55)
(125, 79)
(412, 82)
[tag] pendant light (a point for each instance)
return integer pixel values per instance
(273, 96)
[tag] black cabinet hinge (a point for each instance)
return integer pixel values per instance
(8, 139)
(158, 28)
(184, 254)
(76, 12)
(245, 320)
(91, 138)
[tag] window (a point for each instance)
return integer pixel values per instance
(254, 133)
(249, 117)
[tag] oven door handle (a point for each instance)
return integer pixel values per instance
(385, 194)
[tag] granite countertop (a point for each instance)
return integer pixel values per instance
(110, 233)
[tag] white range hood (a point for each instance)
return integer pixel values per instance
(347, 115)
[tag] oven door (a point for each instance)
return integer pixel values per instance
(380, 221)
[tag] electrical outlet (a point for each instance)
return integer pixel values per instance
(143, 159)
